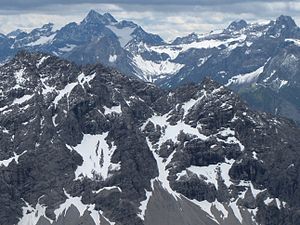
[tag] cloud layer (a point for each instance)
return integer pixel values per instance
(157, 16)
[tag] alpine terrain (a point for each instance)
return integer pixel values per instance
(260, 61)
(87, 145)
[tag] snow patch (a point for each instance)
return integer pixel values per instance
(112, 58)
(41, 61)
(31, 215)
(43, 40)
(245, 78)
(15, 158)
(65, 91)
(114, 109)
(124, 34)
(82, 79)
(210, 173)
(174, 50)
(96, 154)
(76, 201)
(22, 99)
(19, 77)
(188, 105)
(67, 48)
(151, 70)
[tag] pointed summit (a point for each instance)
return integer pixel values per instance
(95, 17)
(110, 18)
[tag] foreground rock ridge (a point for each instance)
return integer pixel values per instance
(87, 145)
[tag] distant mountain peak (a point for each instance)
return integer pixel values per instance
(14, 33)
(237, 25)
(286, 20)
(95, 17)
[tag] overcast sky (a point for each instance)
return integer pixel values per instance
(165, 17)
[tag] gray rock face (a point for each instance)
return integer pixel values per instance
(86, 144)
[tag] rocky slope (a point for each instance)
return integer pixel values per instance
(88, 145)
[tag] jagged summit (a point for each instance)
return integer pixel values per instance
(95, 17)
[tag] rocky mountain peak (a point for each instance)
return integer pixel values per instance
(14, 34)
(95, 17)
(237, 25)
(187, 39)
(286, 21)
(45, 30)
(283, 27)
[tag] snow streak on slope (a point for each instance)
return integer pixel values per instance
(143, 206)
(22, 99)
(295, 41)
(213, 174)
(82, 79)
(66, 91)
(170, 132)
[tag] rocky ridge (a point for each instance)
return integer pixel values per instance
(88, 144)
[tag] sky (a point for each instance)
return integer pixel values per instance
(167, 18)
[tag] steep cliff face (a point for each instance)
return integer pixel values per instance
(89, 145)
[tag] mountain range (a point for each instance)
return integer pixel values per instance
(88, 145)
(258, 61)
